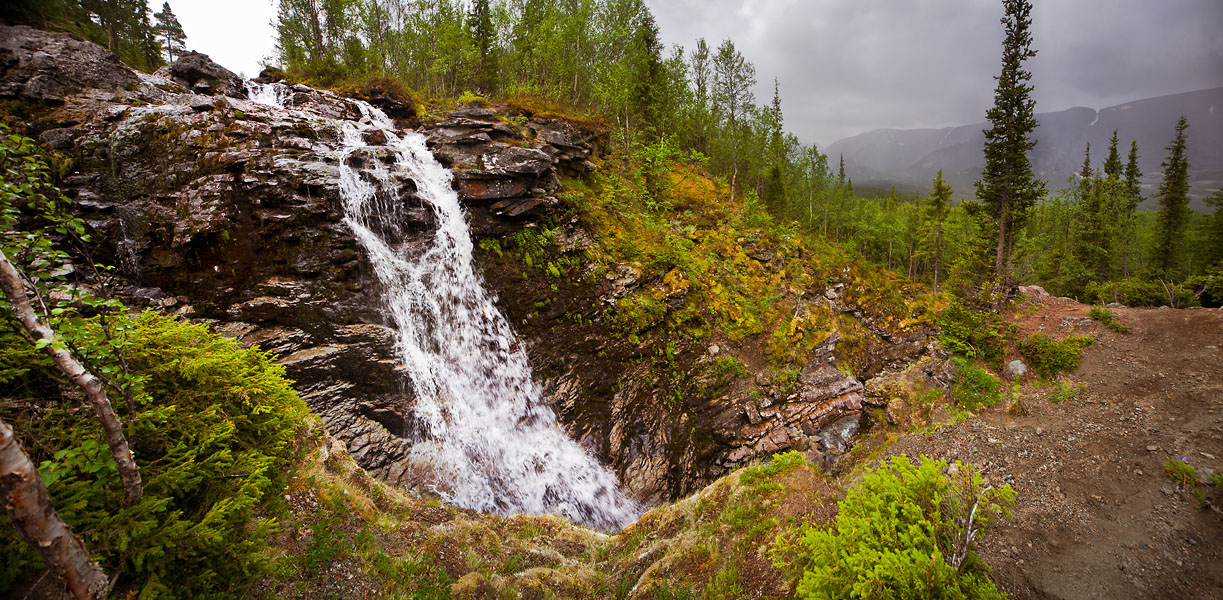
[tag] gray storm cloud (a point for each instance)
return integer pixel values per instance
(850, 66)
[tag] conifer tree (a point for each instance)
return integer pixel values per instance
(1131, 198)
(1008, 188)
(1173, 205)
(170, 30)
(483, 35)
(936, 209)
(650, 83)
(1133, 187)
(841, 171)
(1112, 164)
(1085, 174)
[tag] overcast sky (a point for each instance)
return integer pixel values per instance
(850, 66)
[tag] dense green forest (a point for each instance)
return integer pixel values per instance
(697, 104)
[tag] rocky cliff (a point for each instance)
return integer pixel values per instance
(224, 210)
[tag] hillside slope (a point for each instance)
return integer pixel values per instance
(1097, 515)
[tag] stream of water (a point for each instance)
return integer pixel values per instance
(491, 443)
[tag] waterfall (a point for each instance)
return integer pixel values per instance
(493, 445)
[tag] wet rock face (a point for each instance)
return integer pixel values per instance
(222, 210)
(801, 420)
(47, 67)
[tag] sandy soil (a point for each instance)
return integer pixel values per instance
(1097, 516)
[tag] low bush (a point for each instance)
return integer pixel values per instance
(213, 434)
(1048, 357)
(1110, 321)
(906, 531)
(975, 334)
(975, 388)
(1139, 292)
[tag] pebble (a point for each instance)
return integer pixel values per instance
(1207, 455)
(1152, 448)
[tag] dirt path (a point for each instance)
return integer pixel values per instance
(1097, 516)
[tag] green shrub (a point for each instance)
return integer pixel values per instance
(754, 475)
(213, 435)
(1106, 317)
(1181, 472)
(1048, 357)
(901, 533)
(470, 98)
(1139, 292)
(975, 334)
(975, 388)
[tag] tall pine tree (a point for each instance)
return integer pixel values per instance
(171, 31)
(936, 209)
(1173, 206)
(1008, 188)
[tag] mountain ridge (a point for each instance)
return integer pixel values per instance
(909, 158)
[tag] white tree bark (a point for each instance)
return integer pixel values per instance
(10, 280)
(27, 503)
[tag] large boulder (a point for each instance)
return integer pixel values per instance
(48, 67)
(196, 72)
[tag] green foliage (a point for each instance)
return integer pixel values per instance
(1008, 188)
(1063, 391)
(469, 98)
(973, 333)
(1106, 317)
(213, 432)
(1168, 247)
(900, 534)
(757, 475)
(1181, 472)
(1048, 357)
(975, 388)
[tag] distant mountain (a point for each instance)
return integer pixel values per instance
(909, 158)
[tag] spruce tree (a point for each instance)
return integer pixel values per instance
(483, 36)
(650, 85)
(1008, 188)
(1131, 198)
(1091, 235)
(170, 30)
(936, 209)
(1173, 205)
(841, 172)
(1112, 164)
(1085, 175)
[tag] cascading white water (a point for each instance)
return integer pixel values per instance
(493, 441)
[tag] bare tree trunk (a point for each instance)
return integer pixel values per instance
(27, 503)
(1001, 261)
(133, 489)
